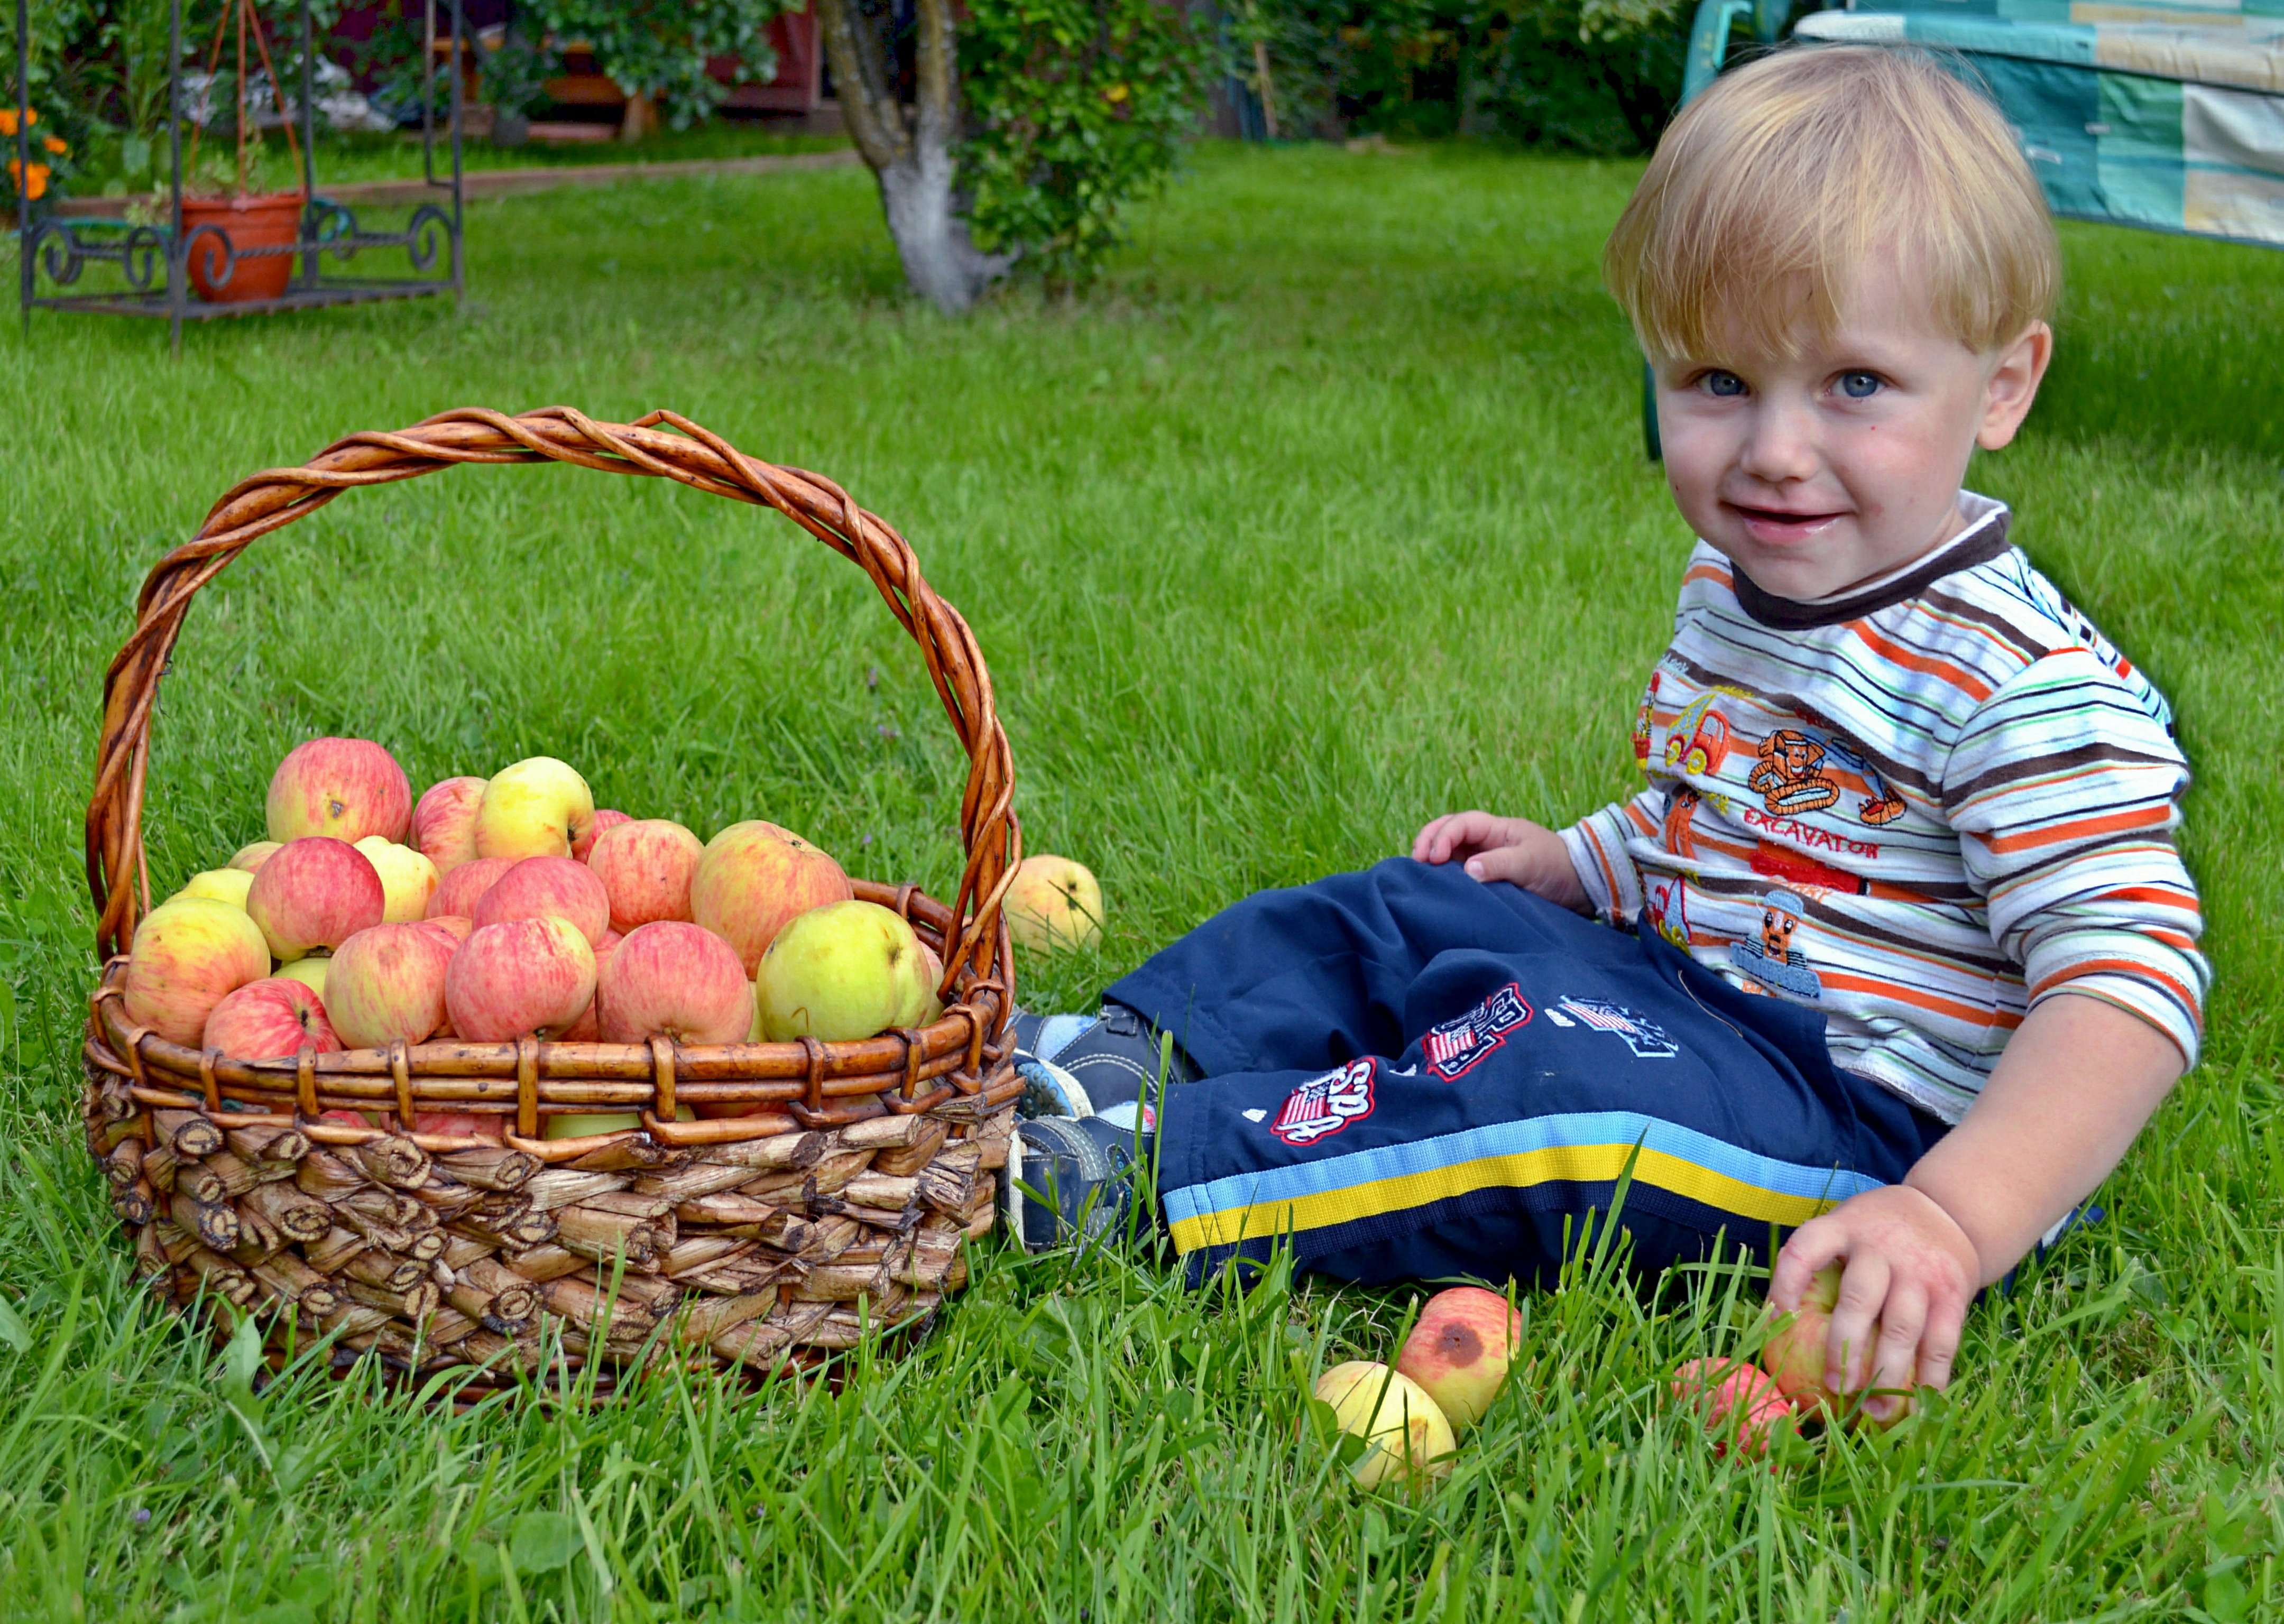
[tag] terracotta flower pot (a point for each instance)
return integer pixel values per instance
(273, 220)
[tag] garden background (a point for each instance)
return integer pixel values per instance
(1323, 511)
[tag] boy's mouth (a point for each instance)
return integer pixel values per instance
(1780, 525)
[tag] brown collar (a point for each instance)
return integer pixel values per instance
(1982, 542)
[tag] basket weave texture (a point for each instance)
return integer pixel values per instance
(841, 1200)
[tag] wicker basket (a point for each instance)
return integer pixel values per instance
(745, 1241)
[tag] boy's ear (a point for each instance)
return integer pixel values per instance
(2013, 385)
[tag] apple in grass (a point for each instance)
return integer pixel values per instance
(844, 970)
(1407, 1437)
(222, 885)
(347, 788)
(1796, 1351)
(387, 984)
(408, 879)
(1460, 1351)
(250, 858)
(536, 808)
(527, 977)
(1739, 1404)
(670, 979)
(548, 888)
(316, 892)
(458, 892)
(444, 823)
(268, 1019)
(186, 958)
(607, 818)
(1055, 903)
(647, 866)
(753, 879)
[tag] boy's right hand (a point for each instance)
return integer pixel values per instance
(1510, 848)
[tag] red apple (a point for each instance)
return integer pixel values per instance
(444, 823)
(1460, 1350)
(1740, 1405)
(270, 1019)
(605, 818)
(527, 976)
(1794, 1351)
(456, 927)
(347, 788)
(672, 979)
(645, 866)
(458, 890)
(386, 984)
(548, 888)
(188, 956)
(753, 879)
(461, 1125)
(589, 1027)
(314, 891)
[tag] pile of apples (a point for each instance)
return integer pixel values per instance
(501, 908)
(1743, 1403)
(1450, 1369)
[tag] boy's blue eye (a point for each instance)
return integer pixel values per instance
(1724, 385)
(1859, 385)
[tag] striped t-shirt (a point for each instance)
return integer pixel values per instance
(1920, 807)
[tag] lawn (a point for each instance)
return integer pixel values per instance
(1327, 512)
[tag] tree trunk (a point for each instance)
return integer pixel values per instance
(910, 155)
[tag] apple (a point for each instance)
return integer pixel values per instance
(387, 983)
(582, 1124)
(847, 970)
(270, 1019)
(536, 808)
(458, 892)
(588, 1028)
(605, 818)
(548, 888)
(1460, 1350)
(187, 957)
(223, 885)
(347, 788)
(444, 823)
(252, 857)
(310, 972)
(669, 979)
(1406, 1436)
(932, 972)
(408, 879)
(1739, 1404)
(646, 865)
(1794, 1353)
(461, 1125)
(527, 976)
(316, 892)
(1055, 903)
(754, 878)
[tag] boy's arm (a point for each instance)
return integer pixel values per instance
(2076, 1084)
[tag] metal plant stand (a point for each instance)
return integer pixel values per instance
(154, 262)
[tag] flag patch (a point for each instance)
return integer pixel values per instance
(1647, 1039)
(1454, 1047)
(1323, 1105)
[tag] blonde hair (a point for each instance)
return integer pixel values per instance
(1771, 189)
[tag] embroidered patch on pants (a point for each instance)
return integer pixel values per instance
(1454, 1047)
(1324, 1105)
(1647, 1039)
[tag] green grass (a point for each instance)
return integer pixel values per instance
(1326, 514)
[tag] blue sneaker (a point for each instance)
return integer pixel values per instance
(1071, 1178)
(1107, 1066)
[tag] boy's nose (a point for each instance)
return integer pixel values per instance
(1780, 444)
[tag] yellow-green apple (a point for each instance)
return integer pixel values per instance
(387, 984)
(583, 1124)
(316, 892)
(252, 857)
(408, 879)
(605, 818)
(458, 892)
(1738, 1403)
(646, 865)
(1406, 1436)
(847, 970)
(536, 808)
(672, 978)
(548, 888)
(1794, 1351)
(1055, 903)
(444, 822)
(310, 972)
(268, 1019)
(754, 878)
(1460, 1350)
(223, 885)
(526, 977)
(347, 788)
(187, 957)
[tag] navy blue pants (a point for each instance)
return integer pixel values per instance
(1409, 1075)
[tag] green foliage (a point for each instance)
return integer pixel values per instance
(1076, 109)
(661, 46)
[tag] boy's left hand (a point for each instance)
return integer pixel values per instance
(1909, 1269)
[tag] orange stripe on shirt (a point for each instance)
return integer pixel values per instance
(1958, 677)
(1708, 572)
(2076, 829)
(1974, 1013)
(2132, 969)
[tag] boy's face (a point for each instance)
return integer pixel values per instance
(1815, 472)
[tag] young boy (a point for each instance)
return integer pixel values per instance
(1914, 956)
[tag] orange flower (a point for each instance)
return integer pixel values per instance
(38, 189)
(56, 145)
(8, 118)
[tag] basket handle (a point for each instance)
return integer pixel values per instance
(118, 875)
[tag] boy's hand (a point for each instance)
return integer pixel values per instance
(1510, 848)
(1909, 1268)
